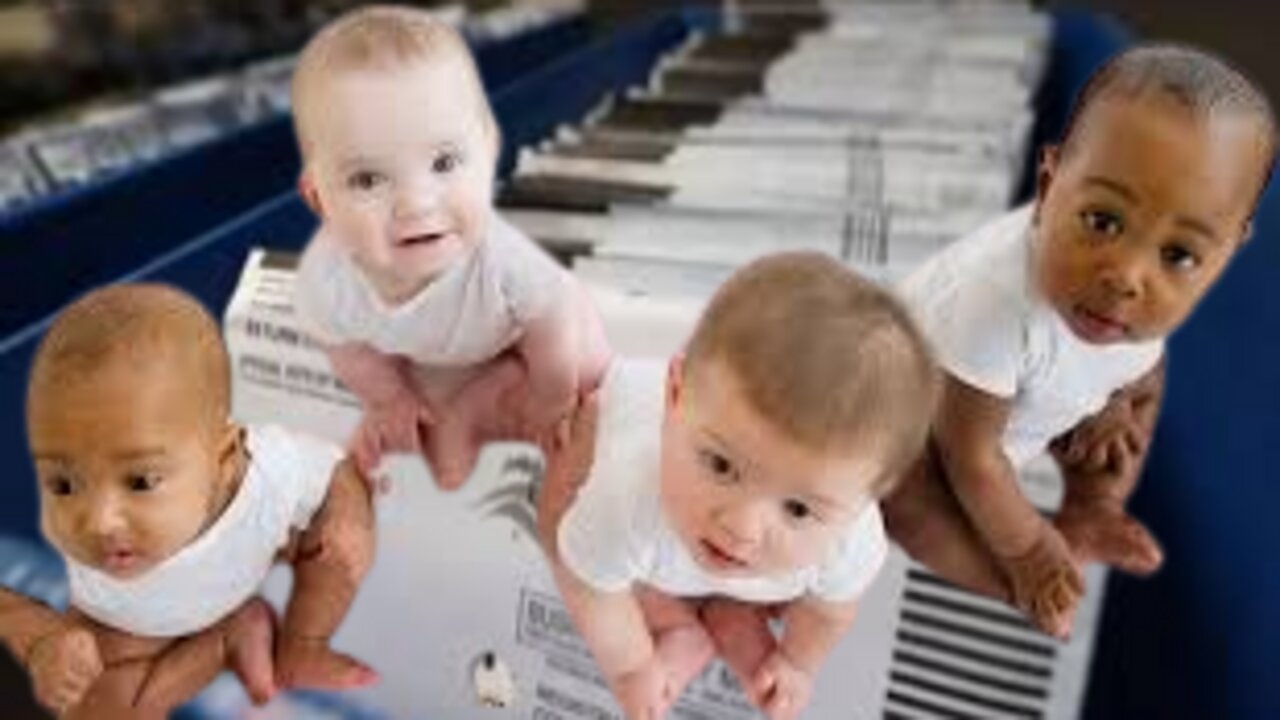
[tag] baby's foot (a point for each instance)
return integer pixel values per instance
(311, 663)
(395, 427)
(249, 638)
(684, 652)
(1101, 531)
(1046, 582)
(741, 635)
(452, 449)
(646, 693)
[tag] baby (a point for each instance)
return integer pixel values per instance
(743, 476)
(169, 517)
(428, 303)
(1044, 315)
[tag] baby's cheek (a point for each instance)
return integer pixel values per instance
(811, 545)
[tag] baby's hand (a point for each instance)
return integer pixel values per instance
(1106, 442)
(64, 664)
(395, 426)
(780, 687)
(645, 694)
(1046, 582)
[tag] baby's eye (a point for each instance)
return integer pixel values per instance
(1179, 258)
(365, 180)
(797, 510)
(718, 464)
(1102, 222)
(446, 163)
(59, 485)
(143, 483)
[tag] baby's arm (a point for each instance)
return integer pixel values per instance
(393, 409)
(1101, 461)
(1045, 581)
(551, 349)
(330, 561)
(811, 628)
(613, 626)
(968, 431)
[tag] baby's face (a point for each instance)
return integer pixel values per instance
(401, 162)
(1142, 215)
(129, 471)
(743, 499)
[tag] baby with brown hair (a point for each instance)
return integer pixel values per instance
(739, 481)
(169, 516)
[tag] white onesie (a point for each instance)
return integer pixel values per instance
(615, 533)
(471, 313)
(286, 481)
(991, 330)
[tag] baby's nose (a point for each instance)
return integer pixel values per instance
(106, 518)
(1123, 276)
(417, 198)
(743, 524)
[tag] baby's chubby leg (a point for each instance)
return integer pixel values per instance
(329, 563)
(741, 635)
(465, 421)
(681, 642)
(924, 516)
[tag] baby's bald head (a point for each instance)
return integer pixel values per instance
(381, 38)
(155, 330)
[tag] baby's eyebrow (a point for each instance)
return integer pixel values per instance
(357, 162)
(142, 453)
(823, 502)
(1116, 187)
(717, 440)
(1199, 227)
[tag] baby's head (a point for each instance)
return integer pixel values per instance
(399, 145)
(1151, 192)
(127, 419)
(803, 394)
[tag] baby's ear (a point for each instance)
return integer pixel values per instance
(231, 454)
(307, 189)
(494, 131)
(1248, 231)
(1045, 171)
(675, 380)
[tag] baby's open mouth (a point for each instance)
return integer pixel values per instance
(420, 239)
(1100, 325)
(120, 560)
(722, 558)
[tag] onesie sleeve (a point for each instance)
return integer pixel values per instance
(596, 538)
(316, 293)
(312, 465)
(856, 560)
(977, 332)
(531, 281)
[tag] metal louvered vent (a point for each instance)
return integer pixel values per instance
(959, 655)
